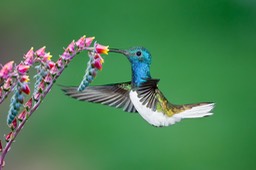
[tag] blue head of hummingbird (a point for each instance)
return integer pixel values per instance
(140, 59)
(141, 94)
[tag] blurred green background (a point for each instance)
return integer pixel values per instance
(202, 50)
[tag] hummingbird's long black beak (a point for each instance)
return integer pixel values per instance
(115, 50)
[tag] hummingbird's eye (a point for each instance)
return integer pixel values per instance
(138, 53)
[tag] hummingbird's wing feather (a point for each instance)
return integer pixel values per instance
(115, 95)
(147, 93)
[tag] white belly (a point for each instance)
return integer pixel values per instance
(153, 117)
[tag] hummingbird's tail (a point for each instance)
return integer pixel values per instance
(196, 110)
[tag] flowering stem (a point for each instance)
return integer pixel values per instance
(16, 79)
(34, 108)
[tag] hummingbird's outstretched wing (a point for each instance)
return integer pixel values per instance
(115, 95)
(151, 104)
(151, 97)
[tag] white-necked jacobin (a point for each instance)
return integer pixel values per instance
(141, 94)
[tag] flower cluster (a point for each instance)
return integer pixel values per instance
(14, 78)
(94, 65)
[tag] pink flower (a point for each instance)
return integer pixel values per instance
(51, 64)
(29, 103)
(25, 89)
(14, 124)
(9, 137)
(24, 78)
(8, 84)
(22, 69)
(97, 64)
(88, 41)
(6, 69)
(71, 47)
(81, 42)
(37, 96)
(54, 70)
(59, 63)
(101, 49)
(41, 52)
(48, 78)
(47, 57)
(41, 86)
(22, 115)
(98, 57)
(29, 57)
(66, 56)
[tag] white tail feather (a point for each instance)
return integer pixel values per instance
(196, 112)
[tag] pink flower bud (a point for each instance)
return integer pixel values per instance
(54, 70)
(41, 86)
(6, 70)
(29, 57)
(22, 69)
(37, 96)
(14, 124)
(81, 42)
(41, 52)
(65, 56)
(47, 57)
(9, 137)
(71, 47)
(97, 64)
(59, 63)
(8, 84)
(101, 49)
(24, 78)
(25, 89)
(88, 41)
(51, 64)
(98, 57)
(22, 115)
(48, 78)
(29, 103)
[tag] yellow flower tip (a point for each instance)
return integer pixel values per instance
(107, 50)
(27, 79)
(49, 56)
(32, 48)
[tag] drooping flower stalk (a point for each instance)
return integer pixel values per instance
(15, 79)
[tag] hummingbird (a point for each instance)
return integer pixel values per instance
(141, 94)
